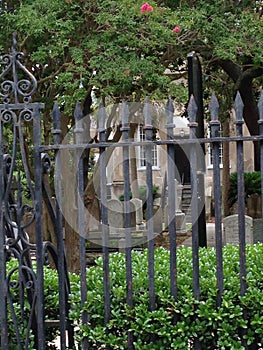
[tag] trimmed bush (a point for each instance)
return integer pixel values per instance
(51, 306)
(252, 182)
(174, 325)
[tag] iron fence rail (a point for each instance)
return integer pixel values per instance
(18, 109)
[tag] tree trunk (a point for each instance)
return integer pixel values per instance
(251, 115)
(244, 84)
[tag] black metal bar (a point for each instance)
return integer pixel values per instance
(171, 198)
(241, 193)
(39, 229)
(3, 300)
(59, 230)
(182, 141)
(81, 217)
(192, 109)
(147, 112)
(104, 215)
(260, 122)
(195, 88)
(127, 214)
(215, 129)
(241, 206)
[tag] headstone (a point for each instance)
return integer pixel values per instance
(115, 216)
(231, 234)
(257, 231)
(132, 215)
(158, 220)
(179, 220)
(139, 211)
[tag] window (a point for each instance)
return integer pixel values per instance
(142, 153)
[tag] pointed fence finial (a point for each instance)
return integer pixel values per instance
(214, 108)
(124, 114)
(169, 109)
(260, 106)
(239, 106)
(78, 115)
(56, 116)
(101, 117)
(192, 109)
(147, 112)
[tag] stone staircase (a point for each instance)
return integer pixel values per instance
(186, 203)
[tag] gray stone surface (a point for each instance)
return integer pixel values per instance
(231, 232)
(139, 212)
(257, 231)
(115, 217)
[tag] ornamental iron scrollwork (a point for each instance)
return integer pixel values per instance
(21, 164)
(17, 82)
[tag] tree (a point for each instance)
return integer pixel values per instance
(228, 37)
(112, 48)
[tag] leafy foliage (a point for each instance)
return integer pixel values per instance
(213, 326)
(175, 324)
(73, 46)
(51, 306)
(252, 182)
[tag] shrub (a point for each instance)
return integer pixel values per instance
(51, 305)
(214, 326)
(252, 182)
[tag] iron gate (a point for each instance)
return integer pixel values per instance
(24, 323)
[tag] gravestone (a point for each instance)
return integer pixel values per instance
(231, 234)
(257, 231)
(115, 216)
(139, 212)
(158, 220)
(132, 215)
(179, 220)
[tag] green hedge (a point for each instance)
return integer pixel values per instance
(214, 326)
(252, 183)
(51, 306)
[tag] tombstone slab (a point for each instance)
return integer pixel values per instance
(231, 233)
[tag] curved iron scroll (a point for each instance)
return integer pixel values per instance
(18, 84)
(19, 309)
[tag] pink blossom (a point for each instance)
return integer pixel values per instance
(177, 29)
(146, 7)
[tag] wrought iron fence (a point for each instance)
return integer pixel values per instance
(23, 318)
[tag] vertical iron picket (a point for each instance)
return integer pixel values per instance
(78, 115)
(215, 128)
(241, 191)
(127, 213)
(260, 122)
(192, 110)
(104, 213)
(3, 305)
(56, 115)
(147, 112)
(238, 106)
(39, 228)
(171, 197)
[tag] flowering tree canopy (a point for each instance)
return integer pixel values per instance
(125, 49)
